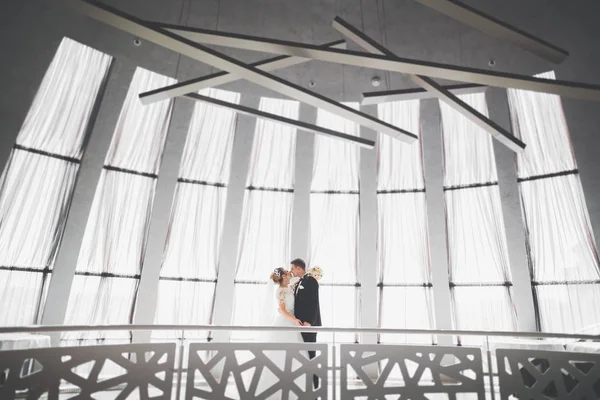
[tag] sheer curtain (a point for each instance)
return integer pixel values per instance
(334, 225)
(189, 268)
(37, 184)
(265, 233)
(563, 257)
(405, 297)
(110, 258)
(477, 251)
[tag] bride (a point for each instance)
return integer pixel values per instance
(281, 314)
(284, 295)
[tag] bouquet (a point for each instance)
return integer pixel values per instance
(316, 272)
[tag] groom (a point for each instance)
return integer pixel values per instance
(306, 308)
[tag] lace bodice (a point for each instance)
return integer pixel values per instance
(286, 295)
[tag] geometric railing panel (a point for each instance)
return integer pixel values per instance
(411, 372)
(256, 371)
(544, 375)
(139, 371)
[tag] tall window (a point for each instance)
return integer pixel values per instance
(477, 251)
(334, 225)
(563, 258)
(405, 290)
(110, 259)
(189, 269)
(266, 229)
(37, 184)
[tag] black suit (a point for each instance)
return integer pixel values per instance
(306, 309)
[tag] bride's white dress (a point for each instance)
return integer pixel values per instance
(286, 296)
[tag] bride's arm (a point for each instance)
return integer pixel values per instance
(286, 314)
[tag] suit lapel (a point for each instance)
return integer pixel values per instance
(298, 287)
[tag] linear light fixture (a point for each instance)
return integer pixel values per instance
(384, 96)
(494, 27)
(221, 78)
(369, 144)
(179, 44)
(430, 85)
(395, 64)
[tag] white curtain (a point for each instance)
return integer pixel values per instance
(539, 120)
(334, 220)
(561, 242)
(265, 233)
(115, 237)
(59, 115)
(190, 263)
(37, 184)
(406, 307)
(36, 190)
(477, 249)
(482, 308)
(569, 307)
(477, 246)
(184, 302)
(406, 299)
(20, 293)
(563, 256)
(334, 224)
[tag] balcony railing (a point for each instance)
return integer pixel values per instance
(495, 365)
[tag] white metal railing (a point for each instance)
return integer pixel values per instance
(320, 329)
(499, 366)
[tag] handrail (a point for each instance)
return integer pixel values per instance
(82, 328)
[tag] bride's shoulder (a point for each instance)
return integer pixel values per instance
(282, 292)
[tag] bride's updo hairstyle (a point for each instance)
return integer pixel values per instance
(277, 275)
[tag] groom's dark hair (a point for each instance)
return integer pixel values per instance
(298, 262)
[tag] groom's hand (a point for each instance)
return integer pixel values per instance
(306, 324)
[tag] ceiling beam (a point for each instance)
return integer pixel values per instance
(496, 28)
(305, 126)
(385, 96)
(396, 64)
(222, 77)
(176, 43)
(370, 45)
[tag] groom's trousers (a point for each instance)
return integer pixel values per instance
(311, 338)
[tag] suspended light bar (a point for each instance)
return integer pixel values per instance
(369, 144)
(221, 78)
(179, 44)
(430, 85)
(394, 64)
(385, 96)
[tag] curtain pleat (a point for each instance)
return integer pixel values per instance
(334, 224)
(563, 257)
(194, 238)
(266, 227)
(406, 307)
(477, 249)
(405, 294)
(37, 184)
(114, 241)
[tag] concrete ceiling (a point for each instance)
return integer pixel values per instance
(32, 30)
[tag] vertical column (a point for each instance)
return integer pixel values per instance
(302, 180)
(513, 220)
(368, 233)
(242, 147)
(85, 188)
(145, 305)
(436, 215)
